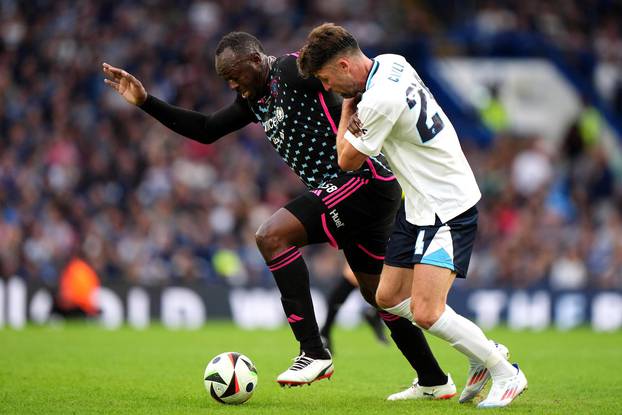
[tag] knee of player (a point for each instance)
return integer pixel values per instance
(268, 240)
(265, 238)
(384, 300)
(424, 315)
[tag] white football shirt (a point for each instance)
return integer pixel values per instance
(401, 117)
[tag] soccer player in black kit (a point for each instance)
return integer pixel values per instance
(352, 211)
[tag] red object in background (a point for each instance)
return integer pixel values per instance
(198, 150)
(78, 283)
(507, 220)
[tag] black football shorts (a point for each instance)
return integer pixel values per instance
(354, 213)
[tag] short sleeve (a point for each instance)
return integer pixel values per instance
(376, 128)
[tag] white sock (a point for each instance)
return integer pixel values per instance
(475, 362)
(402, 310)
(470, 340)
(502, 369)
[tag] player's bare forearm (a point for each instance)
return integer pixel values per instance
(348, 157)
(346, 112)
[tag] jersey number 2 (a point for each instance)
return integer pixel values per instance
(426, 133)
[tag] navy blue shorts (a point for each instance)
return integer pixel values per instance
(354, 213)
(446, 245)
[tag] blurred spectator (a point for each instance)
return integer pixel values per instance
(494, 115)
(568, 272)
(532, 169)
(77, 288)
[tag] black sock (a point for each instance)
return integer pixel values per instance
(292, 277)
(412, 343)
(336, 299)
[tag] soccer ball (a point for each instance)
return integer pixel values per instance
(230, 378)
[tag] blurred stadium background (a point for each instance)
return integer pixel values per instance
(95, 193)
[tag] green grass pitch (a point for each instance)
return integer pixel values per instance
(82, 369)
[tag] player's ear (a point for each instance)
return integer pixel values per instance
(343, 64)
(255, 58)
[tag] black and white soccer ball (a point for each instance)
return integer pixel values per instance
(230, 378)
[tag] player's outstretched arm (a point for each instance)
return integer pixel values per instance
(204, 128)
(125, 84)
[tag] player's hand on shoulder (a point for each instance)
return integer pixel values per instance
(355, 126)
(125, 84)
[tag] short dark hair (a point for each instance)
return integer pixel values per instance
(240, 43)
(324, 43)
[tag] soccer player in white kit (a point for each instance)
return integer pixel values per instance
(435, 229)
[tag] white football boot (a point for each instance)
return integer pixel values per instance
(504, 391)
(478, 376)
(416, 391)
(306, 370)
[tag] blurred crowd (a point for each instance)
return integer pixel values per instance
(83, 174)
(586, 34)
